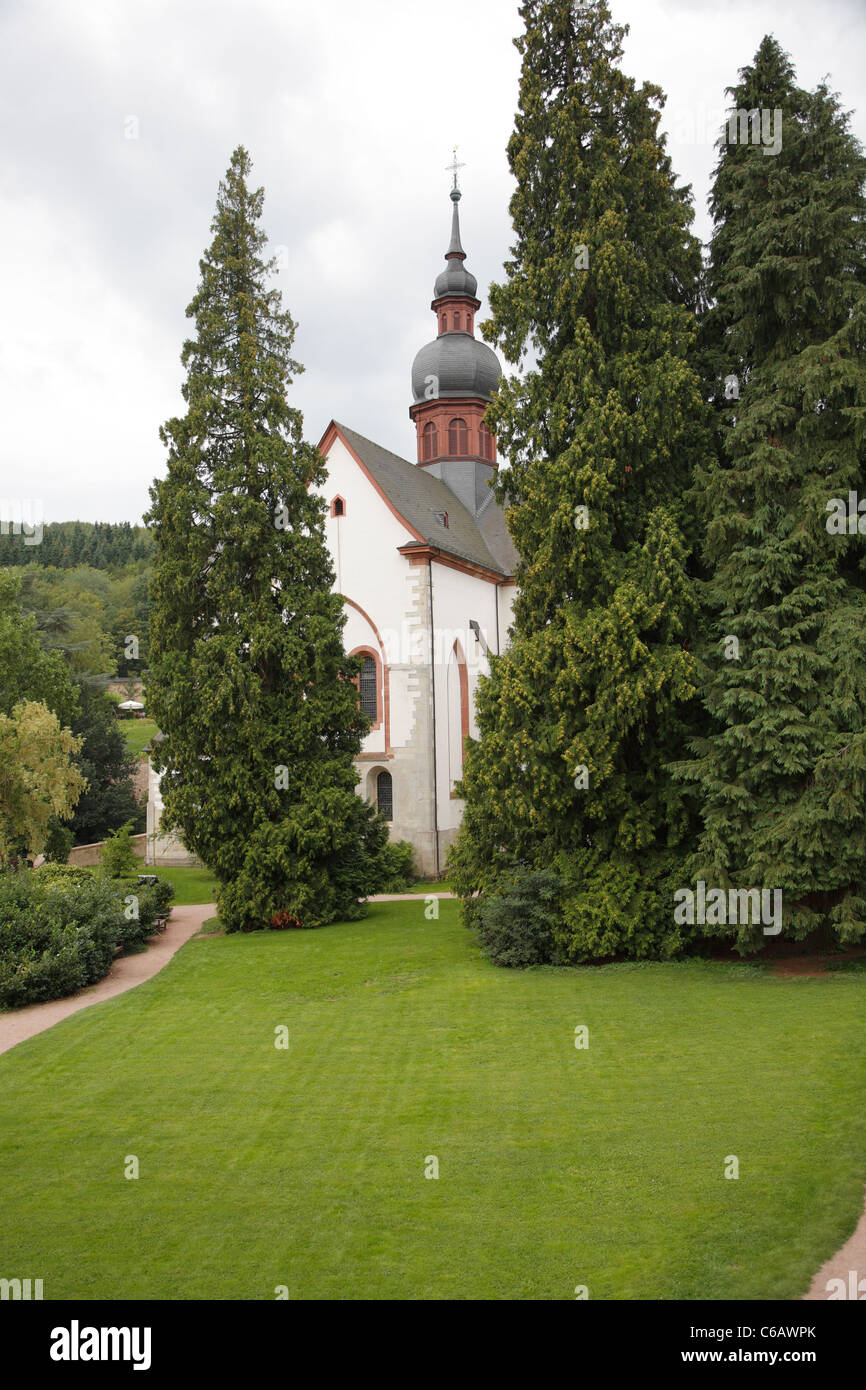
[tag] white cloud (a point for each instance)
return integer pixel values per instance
(349, 112)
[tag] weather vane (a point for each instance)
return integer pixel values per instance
(453, 167)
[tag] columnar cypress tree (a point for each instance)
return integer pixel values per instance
(248, 676)
(782, 774)
(602, 433)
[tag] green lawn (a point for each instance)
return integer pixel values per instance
(557, 1167)
(137, 733)
(191, 885)
(429, 885)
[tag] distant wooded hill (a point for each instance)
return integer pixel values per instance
(86, 584)
(66, 544)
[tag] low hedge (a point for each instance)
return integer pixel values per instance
(61, 927)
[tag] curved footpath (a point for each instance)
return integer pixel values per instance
(125, 973)
(849, 1265)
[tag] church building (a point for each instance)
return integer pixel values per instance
(425, 565)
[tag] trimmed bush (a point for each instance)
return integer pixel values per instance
(60, 929)
(516, 926)
(53, 941)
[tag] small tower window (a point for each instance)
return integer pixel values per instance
(444, 323)
(468, 323)
(385, 795)
(458, 438)
(338, 506)
(429, 441)
(486, 440)
(456, 320)
(369, 701)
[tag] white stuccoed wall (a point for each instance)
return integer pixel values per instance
(396, 621)
(374, 578)
(457, 598)
(161, 848)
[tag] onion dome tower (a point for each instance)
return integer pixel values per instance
(453, 379)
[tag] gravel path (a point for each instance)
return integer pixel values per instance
(406, 897)
(851, 1258)
(125, 973)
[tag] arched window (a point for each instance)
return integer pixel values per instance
(456, 318)
(385, 795)
(369, 689)
(457, 704)
(338, 506)
(468, 323)
(486, 441)
(458, 438)
(444, 323)
(370, 684)
(429, 441)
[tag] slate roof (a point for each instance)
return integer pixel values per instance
(418, 497)
(461, 364)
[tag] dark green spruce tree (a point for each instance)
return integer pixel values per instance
(602, 428)
(782, 772)
(248, 676)
(105, 761)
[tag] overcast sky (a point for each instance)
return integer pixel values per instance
(349, 111)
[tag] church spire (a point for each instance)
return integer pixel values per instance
(453, 379)
(455, 249)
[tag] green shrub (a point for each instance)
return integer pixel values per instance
(58, 843)
(314, 866)
(54, 941)
(516, 925)
(70, 876)
(613, 906)
(60, 928)
(118, 857)
(152, 902)
(397, 865)
(585, 906)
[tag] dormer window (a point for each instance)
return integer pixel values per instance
(442, 518)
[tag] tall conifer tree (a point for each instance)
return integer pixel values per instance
(782, 774)
(602, 429)
(248, 676)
